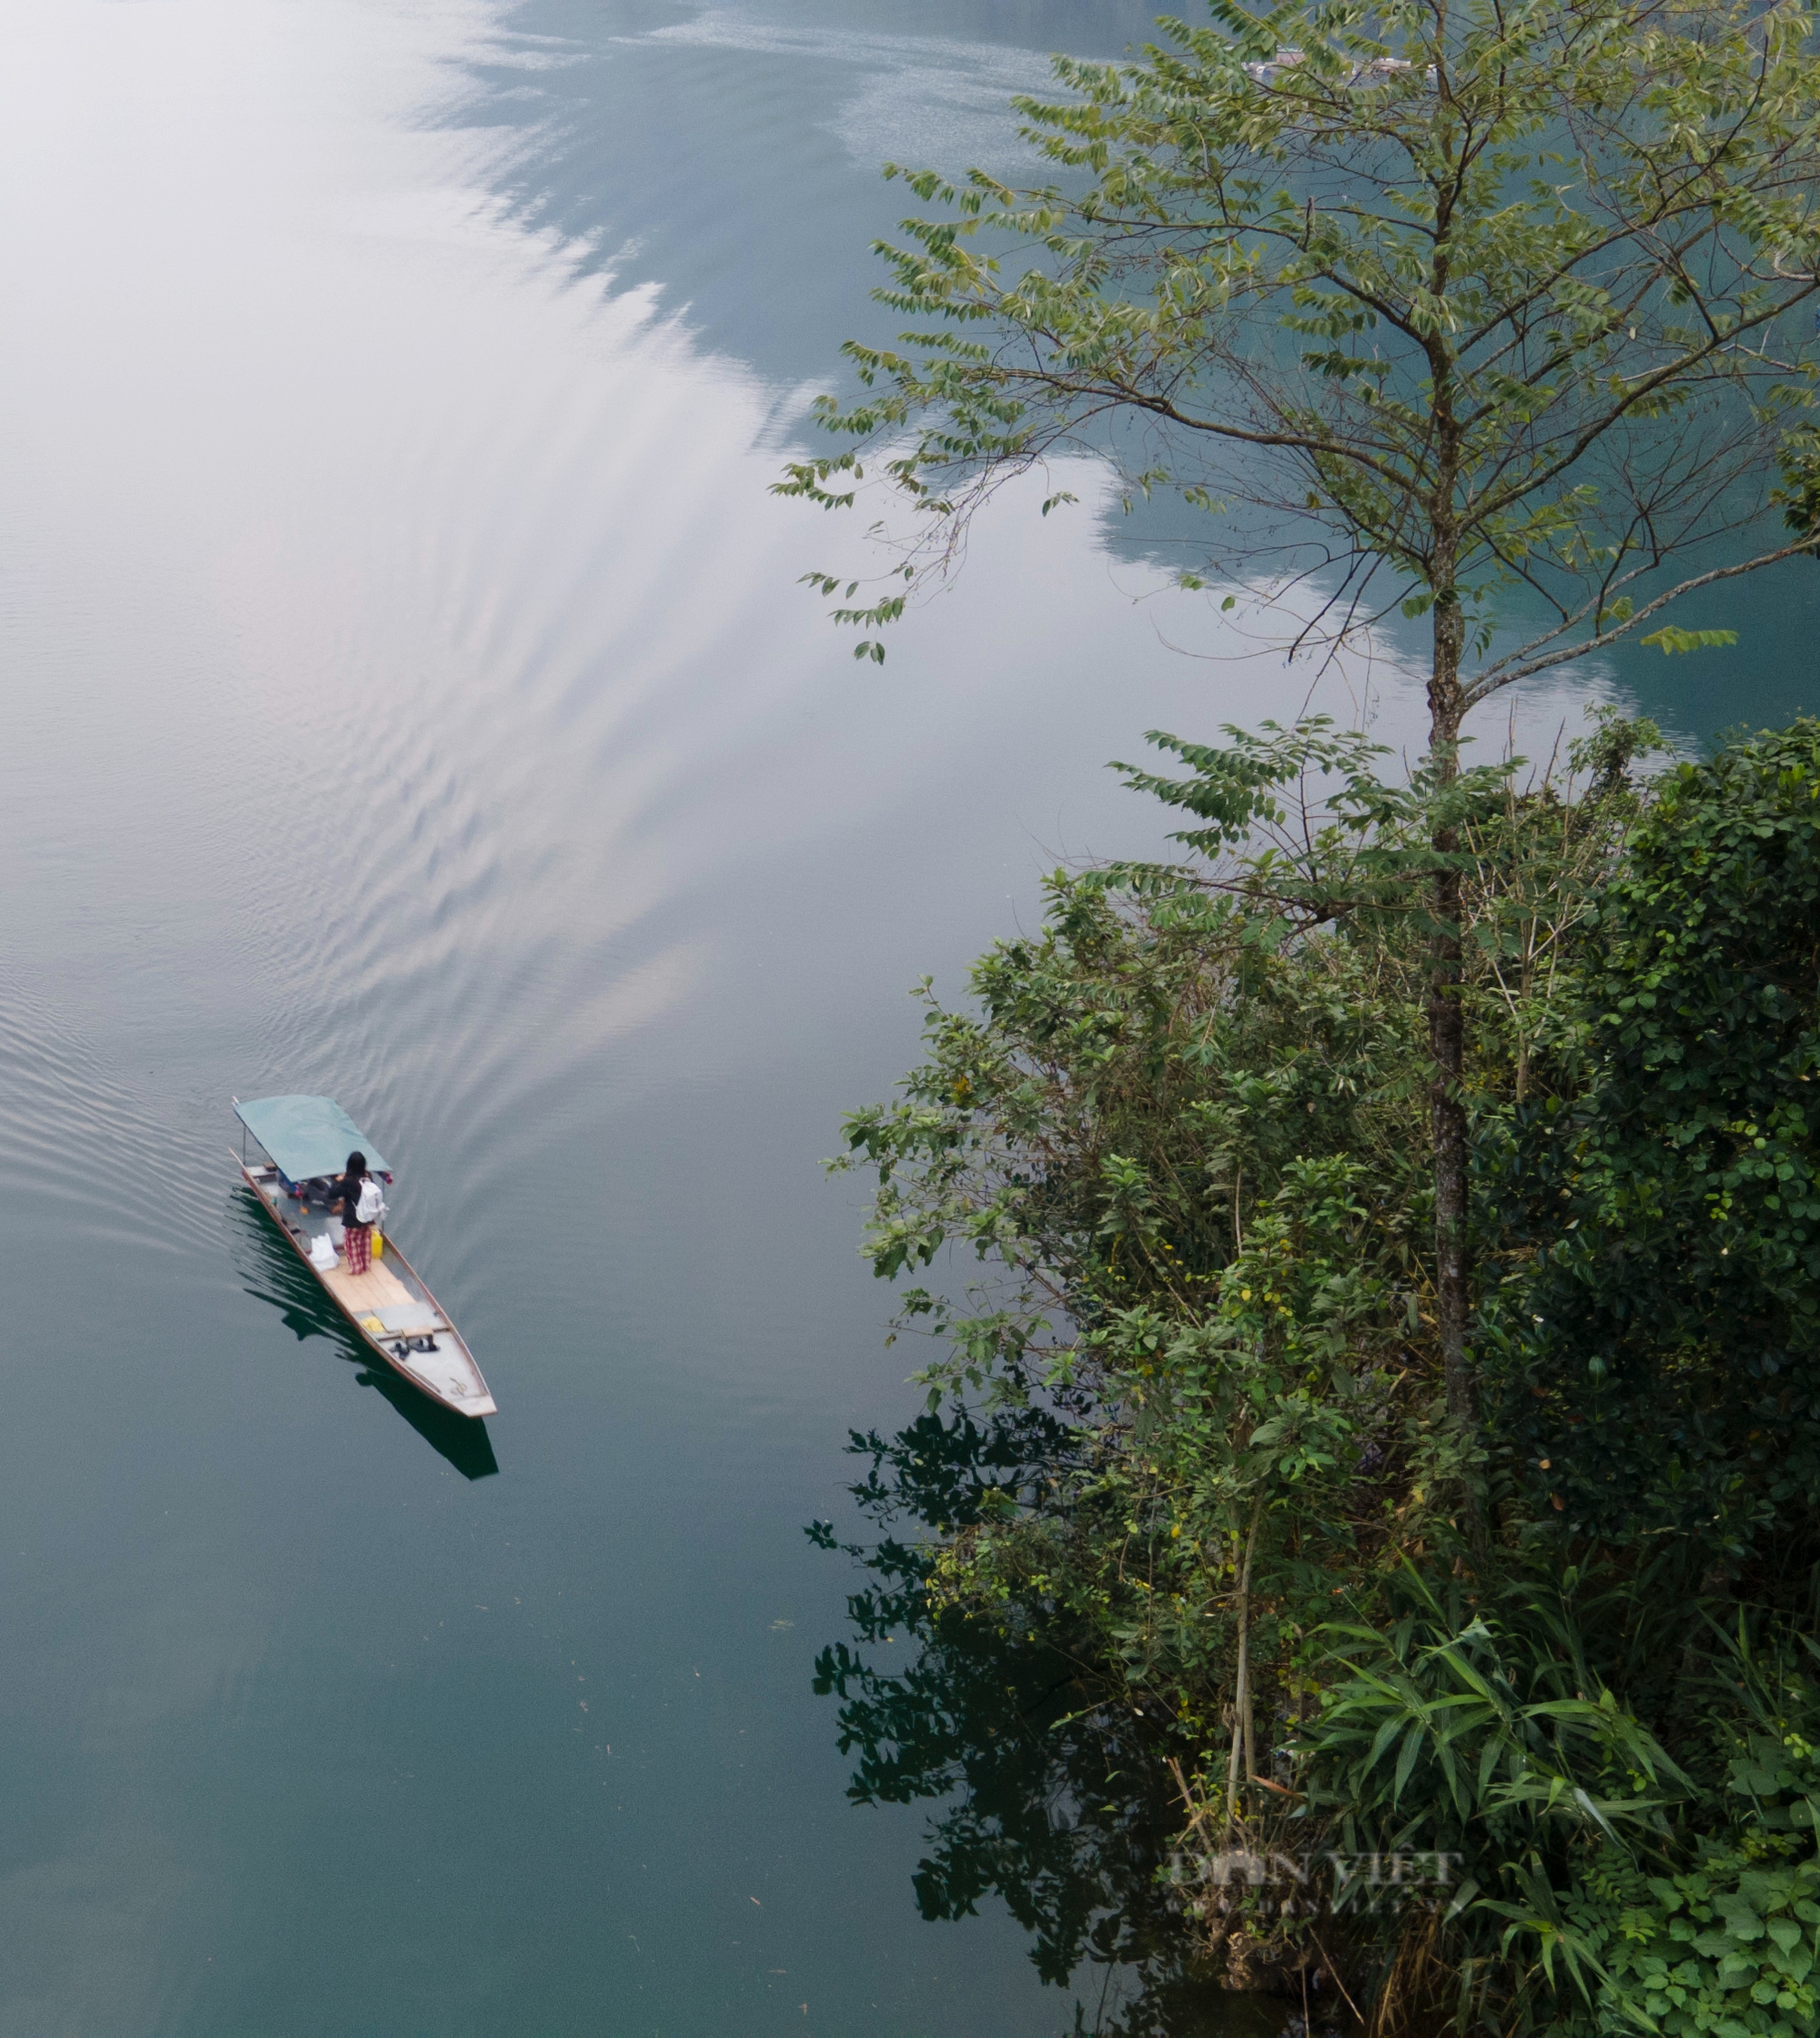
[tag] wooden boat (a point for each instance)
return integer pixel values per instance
(306, 1141)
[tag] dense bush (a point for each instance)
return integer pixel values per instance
(1667, 1187)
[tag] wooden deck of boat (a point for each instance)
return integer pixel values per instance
(370, 1293)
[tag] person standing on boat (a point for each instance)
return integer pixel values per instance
(359, 1245)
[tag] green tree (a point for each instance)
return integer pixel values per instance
(1487, 303)
(1185, 1127)
(1182, 1127)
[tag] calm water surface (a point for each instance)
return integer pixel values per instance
(407, 696)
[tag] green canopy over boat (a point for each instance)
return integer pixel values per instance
(308, 1137)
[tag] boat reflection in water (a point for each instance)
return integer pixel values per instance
(270, 1271)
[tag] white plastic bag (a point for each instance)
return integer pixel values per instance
(322, 1251)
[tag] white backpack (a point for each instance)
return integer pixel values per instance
(371, 1204)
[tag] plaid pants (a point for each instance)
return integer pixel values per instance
(360, 1248)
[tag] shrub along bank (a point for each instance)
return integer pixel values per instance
(1554, 1657)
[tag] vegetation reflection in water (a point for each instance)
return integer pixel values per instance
(1058, 1797)
(270, 1271)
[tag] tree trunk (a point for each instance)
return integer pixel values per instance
(1447, 1016)
(1242, 1694)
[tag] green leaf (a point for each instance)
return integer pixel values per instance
(1669, 640)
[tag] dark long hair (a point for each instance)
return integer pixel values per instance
(357, 1166)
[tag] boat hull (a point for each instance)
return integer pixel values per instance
(449, 1377)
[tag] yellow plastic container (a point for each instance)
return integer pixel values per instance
(378, 1243)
